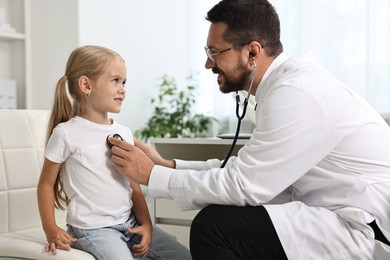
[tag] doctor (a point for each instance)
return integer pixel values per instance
(313, 182)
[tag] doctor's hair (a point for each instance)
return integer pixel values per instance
(89, 61)
(247, 21)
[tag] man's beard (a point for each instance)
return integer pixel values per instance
(234, 84)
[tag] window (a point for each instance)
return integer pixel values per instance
(351, 38)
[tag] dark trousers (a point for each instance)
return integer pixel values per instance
(231, 232)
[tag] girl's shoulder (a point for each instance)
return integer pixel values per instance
(124, 131)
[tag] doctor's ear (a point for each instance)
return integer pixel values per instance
(85, 85)
(254, 49)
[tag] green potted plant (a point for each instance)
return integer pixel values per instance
(173, 114)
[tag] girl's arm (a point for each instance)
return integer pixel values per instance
(141, 212)
(56, 237)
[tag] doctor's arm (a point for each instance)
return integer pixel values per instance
(154, 155)
(136, 161)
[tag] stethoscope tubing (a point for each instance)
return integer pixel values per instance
(240, 117)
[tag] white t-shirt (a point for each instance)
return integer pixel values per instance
(99, 195)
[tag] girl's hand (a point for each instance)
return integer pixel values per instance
(58, 238)
(142, 249)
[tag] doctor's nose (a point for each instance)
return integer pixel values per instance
(209, 64)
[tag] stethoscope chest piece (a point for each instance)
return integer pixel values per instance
(117, 136)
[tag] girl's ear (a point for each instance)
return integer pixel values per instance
(85, 85)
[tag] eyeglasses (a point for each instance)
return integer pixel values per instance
(211, 54)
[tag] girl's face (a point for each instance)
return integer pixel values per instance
(108, 91)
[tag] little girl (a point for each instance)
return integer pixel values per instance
(107, 215)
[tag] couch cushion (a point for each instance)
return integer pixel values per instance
(30, 243)
(22, 142)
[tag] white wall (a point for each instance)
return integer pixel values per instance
(54, 33)
(154, 37)
(151, 37)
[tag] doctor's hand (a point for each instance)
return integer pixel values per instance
(154, 155)
(131, 161)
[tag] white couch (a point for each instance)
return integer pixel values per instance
(22, 140)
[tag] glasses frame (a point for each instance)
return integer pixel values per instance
(210, 55)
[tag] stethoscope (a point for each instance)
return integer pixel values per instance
(240, 117)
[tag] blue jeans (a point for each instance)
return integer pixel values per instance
(115, 242)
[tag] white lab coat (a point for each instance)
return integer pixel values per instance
(315, 139)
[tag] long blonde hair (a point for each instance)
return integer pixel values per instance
(89, 61)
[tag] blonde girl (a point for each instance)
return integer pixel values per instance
(107, 215)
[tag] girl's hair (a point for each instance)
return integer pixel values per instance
(249, 20)
(91, 62)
